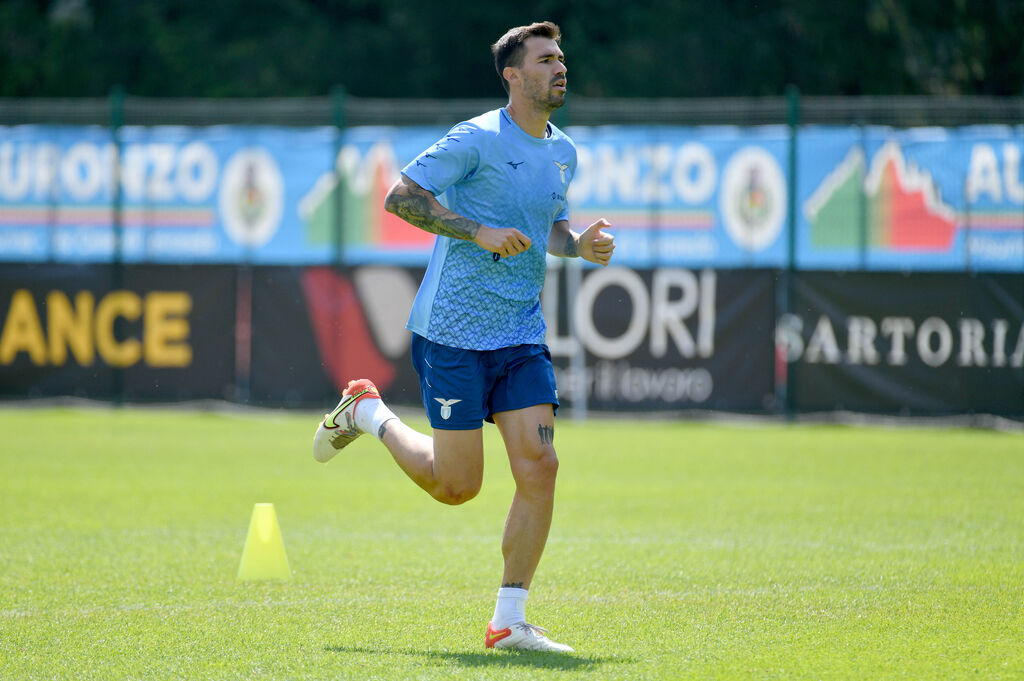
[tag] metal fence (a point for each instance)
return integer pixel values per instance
(341, 110)
(848, 337)
(843, 215)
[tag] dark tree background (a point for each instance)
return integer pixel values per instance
(407, 48)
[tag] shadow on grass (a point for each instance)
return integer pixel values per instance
(505, 658)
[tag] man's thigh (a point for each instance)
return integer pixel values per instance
(528, 433)
(459, 457)
(453, 395)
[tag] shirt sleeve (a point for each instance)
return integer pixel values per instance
(453, 158)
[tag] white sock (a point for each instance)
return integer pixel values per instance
(510, 608)
(371, 414)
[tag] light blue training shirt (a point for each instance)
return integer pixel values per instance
(490, 170)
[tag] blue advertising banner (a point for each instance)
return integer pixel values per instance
(702, 196)
(917, 199)
(865, 197)
(218, 194)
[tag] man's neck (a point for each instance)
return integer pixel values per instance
(532, 121)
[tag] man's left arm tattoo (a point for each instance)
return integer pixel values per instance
(571, 248)
(563, 242)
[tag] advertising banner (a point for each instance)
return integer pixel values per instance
(316, 328)
(658, 340)
(927, 343)
(664, 340)
(917, 199)
(179, 195)
(145, 333)
(652, 340)
(719, 197)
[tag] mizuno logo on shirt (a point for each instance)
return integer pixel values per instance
(515, 166)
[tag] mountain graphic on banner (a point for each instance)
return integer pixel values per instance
(357, 191)
(897, 204)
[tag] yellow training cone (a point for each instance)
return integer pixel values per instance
(263, 556)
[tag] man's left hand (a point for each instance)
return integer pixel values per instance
(596, 245)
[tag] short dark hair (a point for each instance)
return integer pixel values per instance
(509, 49)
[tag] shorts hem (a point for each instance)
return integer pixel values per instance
(531, 403)
(453, 426)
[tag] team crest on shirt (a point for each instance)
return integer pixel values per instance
(562, 167)
(446, 407)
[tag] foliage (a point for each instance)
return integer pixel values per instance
(395, 48)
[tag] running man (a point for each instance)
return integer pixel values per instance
(478, 332)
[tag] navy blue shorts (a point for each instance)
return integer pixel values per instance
(463, 388)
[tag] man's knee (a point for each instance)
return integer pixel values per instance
(455, 493)
(538, 469)
(458, 466)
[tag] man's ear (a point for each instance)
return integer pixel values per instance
(510, 74)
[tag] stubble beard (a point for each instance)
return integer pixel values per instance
(545, 100)
(556, 101)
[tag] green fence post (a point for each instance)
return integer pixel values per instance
(116, 121)
(117, 257)
(862, 200)
(338, 97)
(793, 122)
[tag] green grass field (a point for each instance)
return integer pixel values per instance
(678, 551)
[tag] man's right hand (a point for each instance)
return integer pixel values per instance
(505, 241)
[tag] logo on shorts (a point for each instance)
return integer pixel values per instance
(446, 407)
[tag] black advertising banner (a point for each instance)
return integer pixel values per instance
(137, 332)
(660, 340)
(926, 343)
(316, 328)
(664, 339)
(623, 340)
(286, 365)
